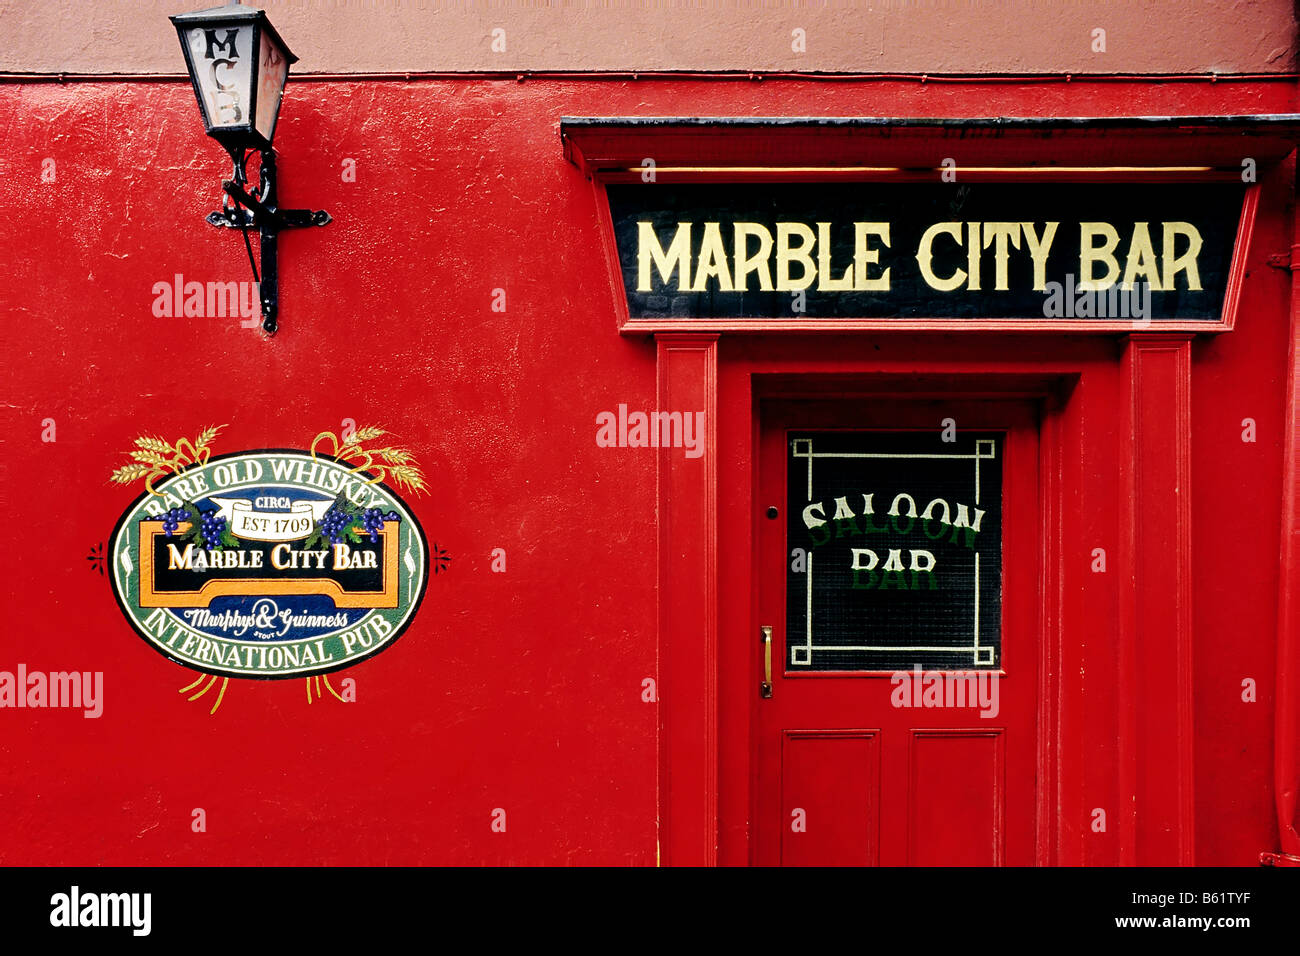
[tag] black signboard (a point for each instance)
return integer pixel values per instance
(895, 551)
(1055, 252)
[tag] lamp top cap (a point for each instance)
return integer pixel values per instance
(233, 13)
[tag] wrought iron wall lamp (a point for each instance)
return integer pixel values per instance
(238, 65)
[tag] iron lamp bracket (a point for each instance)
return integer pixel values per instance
(243, 210)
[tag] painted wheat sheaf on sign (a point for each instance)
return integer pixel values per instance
(383, 463)
(151, 458)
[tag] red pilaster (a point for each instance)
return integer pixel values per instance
(688, 693)
(1286, 740)
(1155, 573)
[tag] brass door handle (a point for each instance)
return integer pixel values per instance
(765, 688)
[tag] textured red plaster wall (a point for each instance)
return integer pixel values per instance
(519, 690)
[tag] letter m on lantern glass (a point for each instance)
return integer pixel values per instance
(223, 57)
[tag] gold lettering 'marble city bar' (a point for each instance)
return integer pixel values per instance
(800, 254)
(923, 250)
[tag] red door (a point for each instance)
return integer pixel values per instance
(897, 578)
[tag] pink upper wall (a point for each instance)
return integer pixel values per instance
(868, 36)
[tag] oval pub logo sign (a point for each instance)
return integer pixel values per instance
(267, 564)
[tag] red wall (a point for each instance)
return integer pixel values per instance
(520, 690)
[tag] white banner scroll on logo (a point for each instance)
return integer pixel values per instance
(244, 521)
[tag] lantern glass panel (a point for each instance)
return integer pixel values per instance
(272, 71)
(223, 71)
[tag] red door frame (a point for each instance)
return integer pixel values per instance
(705, 568)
